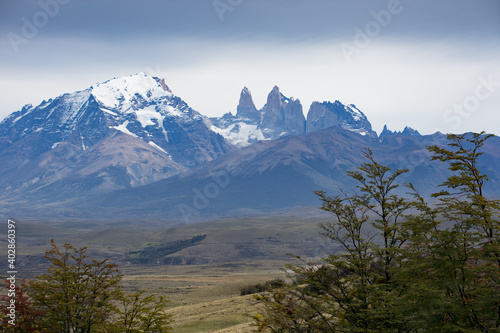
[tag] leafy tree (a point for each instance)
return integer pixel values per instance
(76, 294)
(436, 270)
(350, 291)
(140, 313)
(457, 245)
(79, 294)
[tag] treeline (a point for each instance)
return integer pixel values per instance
(157, 254)
(406, 265)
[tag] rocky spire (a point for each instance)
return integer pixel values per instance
(408, 131)
(282, 116)
(246, 108)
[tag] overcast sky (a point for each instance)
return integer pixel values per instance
(429, 64)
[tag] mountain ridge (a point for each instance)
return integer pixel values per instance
(59, 134)
(282, 116)
(103, 150)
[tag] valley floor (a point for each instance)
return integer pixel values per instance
(205, 289)
(206, 298)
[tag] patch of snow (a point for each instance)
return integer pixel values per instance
(151, 143)
(15, 120)
(355, 112)
(245, 136)
(207, 122)
(28, 107)
(123, 128)
(363, 133)
(83, 143)
(55, 145)
(173, 111)
(165, 133)
(146, 115)
(355, 130)
(109, 111)
(72, 104)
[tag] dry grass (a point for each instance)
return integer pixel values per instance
(225, 315)
(205, 296)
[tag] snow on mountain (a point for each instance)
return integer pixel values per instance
(282, 116)
(244, 128)
(348, 117)
(124, 91)
(354, 111)
(143, 99)
(51, 143)
(240, 133)
(133, 130)
(139, 105)
(101, 145)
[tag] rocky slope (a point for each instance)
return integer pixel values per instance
(125, 132)
(282, 116)
(348, 117)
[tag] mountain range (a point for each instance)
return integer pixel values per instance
(130, 148)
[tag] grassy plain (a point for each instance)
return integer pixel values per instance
(204, 283)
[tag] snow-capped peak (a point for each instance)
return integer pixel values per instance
(139, 99)
(125, 90)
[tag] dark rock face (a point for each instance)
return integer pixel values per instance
(273, 111)
(348, 117)
(282, 116)
(408, 131)
(293, 117)
(246, 108)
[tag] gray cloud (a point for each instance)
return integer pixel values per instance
(428, 58)
(287, 19)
